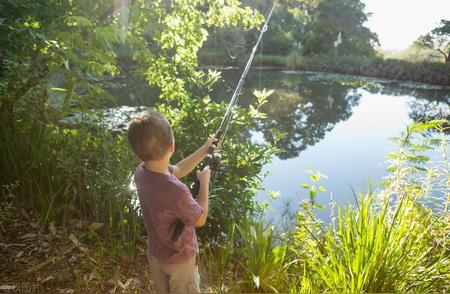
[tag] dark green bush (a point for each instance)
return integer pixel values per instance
(392, 69)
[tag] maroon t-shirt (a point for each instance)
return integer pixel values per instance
(164, 199)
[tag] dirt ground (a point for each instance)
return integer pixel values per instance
(33, 259)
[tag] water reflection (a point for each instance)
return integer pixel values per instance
(306, 113)
(305, 106)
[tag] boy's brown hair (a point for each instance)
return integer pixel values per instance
(149, 135)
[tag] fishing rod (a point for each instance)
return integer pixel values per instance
(213, 158)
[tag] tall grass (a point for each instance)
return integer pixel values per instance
(262, 262)
(391, 240)
(72, 173)
(252, 260)
(377, 251)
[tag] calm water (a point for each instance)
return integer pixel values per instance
(336, 124)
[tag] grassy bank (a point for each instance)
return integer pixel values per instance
(434, 73)
(207, 58)
(390, 241)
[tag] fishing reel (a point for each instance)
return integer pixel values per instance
(214, 160)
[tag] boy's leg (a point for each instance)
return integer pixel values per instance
(159, 277)
(183, 277)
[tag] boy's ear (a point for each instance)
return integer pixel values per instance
(172, 147)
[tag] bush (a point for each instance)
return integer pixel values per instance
(294, 59)
(393, 69)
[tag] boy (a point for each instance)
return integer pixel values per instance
(164, 199)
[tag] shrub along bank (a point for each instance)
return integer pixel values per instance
(435, 73)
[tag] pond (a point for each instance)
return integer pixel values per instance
(336, 124)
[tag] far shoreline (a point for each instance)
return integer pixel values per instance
(403, 83)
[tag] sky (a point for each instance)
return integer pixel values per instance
(398, 23)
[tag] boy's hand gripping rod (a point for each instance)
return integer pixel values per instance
(213, 157)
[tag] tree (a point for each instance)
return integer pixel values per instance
(438, 39)
(53, 59)
(333, 18)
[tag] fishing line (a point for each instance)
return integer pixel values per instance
(226, 121)
(213, 158)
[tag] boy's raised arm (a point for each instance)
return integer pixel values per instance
(188, 164)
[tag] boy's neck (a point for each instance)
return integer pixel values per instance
(159, 166)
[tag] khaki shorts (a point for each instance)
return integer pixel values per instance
(175, 278)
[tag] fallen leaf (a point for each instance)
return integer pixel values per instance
(79, 224)
(73, 258)
(38, 266)
(95, 226)
(47, 279)
(137, 282)
(66, 249)
(74, 240)
(84, 249)
(25, 214)
(126, 285)
(18, 255)
(52, 228)
(91, 276)
(28, 236)
(141, 250)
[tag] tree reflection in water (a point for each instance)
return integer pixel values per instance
(306, 113)
(305, 106)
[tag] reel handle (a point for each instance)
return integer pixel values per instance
(196, 187)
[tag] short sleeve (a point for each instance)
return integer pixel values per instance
(187, 209)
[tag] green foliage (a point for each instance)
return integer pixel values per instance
(414, 53)
(232, 191)
(283, 33)
(179, 31)
(343, 19)
(391, 241)
(294, 59)
(250, 260)
(262, 262)
(218, 261)
(438, 39)
(377, 251)
(423, 72)
(73, 173)
(63, 173)
(61, 51)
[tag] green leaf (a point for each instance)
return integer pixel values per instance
(58, 89)
(313, 192)
(80, 21)
(274, 195)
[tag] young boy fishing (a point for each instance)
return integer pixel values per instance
(165, 200)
